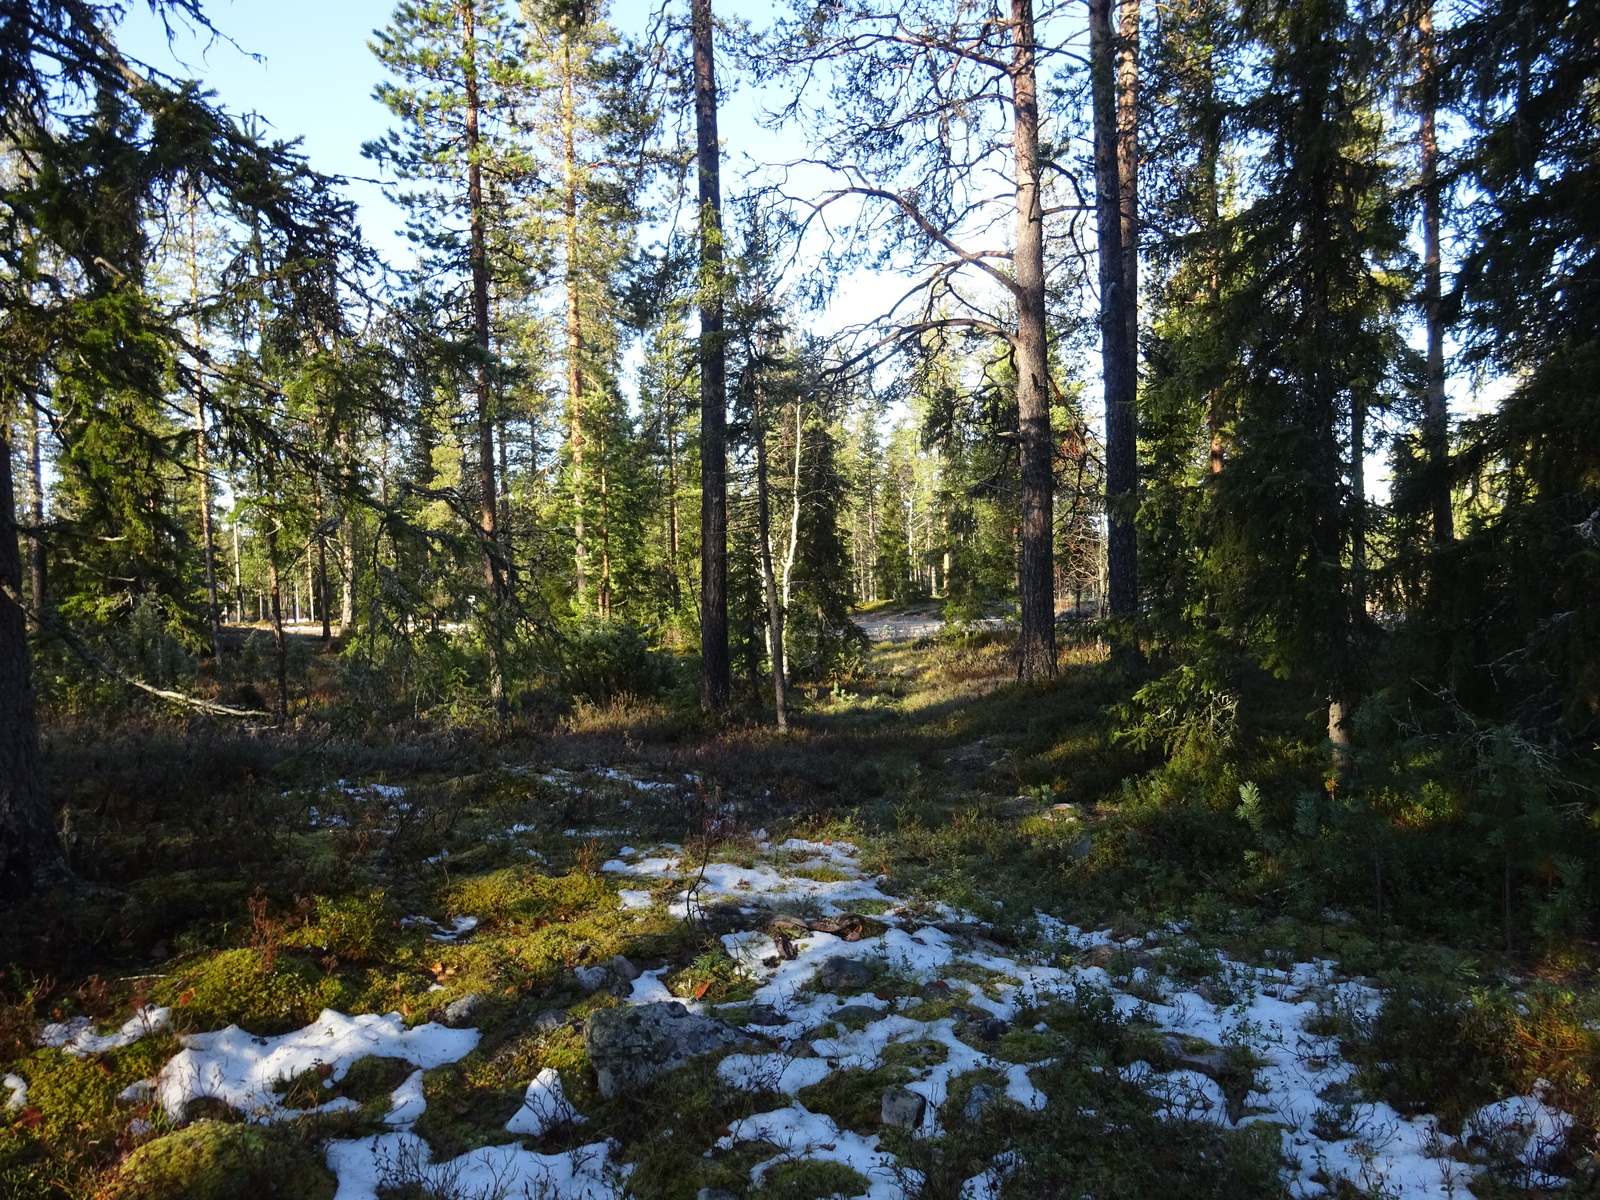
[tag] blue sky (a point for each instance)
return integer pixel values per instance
(315, 76)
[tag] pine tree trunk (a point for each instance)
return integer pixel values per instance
(1436, 419)
(347, 575)
(1036, 567)
(716, 685)
(794, 524)
(769, 584)
(489, 507)
(201, 451)
(30, 849)
(280, 644)
(672, 519)
(569, 164)
(36, 548)
(1118, 351)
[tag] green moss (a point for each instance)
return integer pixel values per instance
(236, 987)
(462, 1116)
(512, 895)
(349, 928)
(810, 1181)
(211, 1160)
(854, 1097)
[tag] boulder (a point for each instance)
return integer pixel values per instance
(902, 1108)
(840, 974)
(623, 969)
(632, 1047)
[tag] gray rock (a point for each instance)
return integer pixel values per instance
(590, 977)
(715, 1194)
(632, 1047)
(902, 1108)
(1083, 847)
(843, 974)
(854, 1016)
(991, 1029)
(624, 969)
(1206, 1062)
(550, 1019)
(979, 1100)
(765, 1014)
(461, 1010)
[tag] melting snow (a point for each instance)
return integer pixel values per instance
(390, 1160)
(544, 1107)
(77, 1036)
(19, 1091)
(240, 1068)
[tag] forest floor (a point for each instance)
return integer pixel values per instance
(318, 968)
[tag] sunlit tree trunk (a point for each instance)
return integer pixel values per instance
(569, 197)
(716, 685)
(1035, 571)
(769, 584)
(488, 503)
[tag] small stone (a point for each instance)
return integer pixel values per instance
(1083, 847)
(979, 1100)
(550, 1019)
(992, 1029)
(937, 991)
(902, 1108)
(590, 977)
(1206, 1062)
(624, 969)
(765, 1014)
(843, 974)
(461, 1010)
(715, 1194)
(854, 1016)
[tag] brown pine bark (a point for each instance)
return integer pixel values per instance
(1036, 657)
(716, 684)
(1117, 349)
(574, 328)
(488, 503)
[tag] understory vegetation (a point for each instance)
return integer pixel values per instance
(258, 878)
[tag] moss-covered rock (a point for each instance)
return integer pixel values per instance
(212, 1160)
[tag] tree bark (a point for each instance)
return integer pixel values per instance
(1036, 657)
(280, 644)
(201, 451)
(30, 848)
(769, 584)
(794, 519)
(36, 548)
(574, 328)
(1436, 419)
(716, 684)
(1118, 352)
(488, 503)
